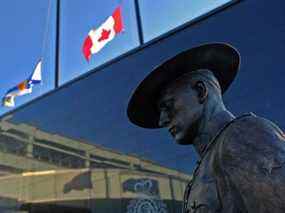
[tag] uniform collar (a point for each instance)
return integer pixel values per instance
(213, 128)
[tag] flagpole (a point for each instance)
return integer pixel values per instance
(139, 22)
(57, 39)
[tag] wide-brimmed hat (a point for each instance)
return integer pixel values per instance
(221, 58)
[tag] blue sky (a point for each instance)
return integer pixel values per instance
(28, 33)
(23, 24)
(78, 19)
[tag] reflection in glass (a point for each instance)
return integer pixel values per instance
(43, 171)
(160, 16)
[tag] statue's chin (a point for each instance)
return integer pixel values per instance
(186, 137)
(181, 140)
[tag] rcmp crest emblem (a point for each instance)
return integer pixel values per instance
(148, 200)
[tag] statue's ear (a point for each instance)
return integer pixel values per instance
(202, 91)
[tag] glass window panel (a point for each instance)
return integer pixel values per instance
(22, 45)
(77, 19)
(160, 16)
(57, 157)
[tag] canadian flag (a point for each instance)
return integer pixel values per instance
(98, 38)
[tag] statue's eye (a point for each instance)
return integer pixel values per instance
(166, 105)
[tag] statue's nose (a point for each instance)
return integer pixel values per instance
(163, 119)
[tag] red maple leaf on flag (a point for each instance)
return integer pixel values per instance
(104, 35)
(98, 38)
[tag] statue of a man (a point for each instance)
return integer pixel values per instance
(242, 159)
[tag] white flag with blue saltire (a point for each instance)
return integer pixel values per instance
(23, 88)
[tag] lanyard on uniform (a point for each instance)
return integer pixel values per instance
(185, 197)
(188, 187)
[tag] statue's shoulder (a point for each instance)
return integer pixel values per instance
(250, 127)
(252, 157)
(254, 122)
(250, 135)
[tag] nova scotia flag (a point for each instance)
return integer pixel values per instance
(23, 88)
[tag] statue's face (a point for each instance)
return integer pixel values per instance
(180, 112)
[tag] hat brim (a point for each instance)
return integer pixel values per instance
(221, 58)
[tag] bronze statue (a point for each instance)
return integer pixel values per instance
(241, 166)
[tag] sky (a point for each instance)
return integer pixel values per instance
(28, 34)
(23, 25)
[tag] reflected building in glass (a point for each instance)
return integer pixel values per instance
(45, 172)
